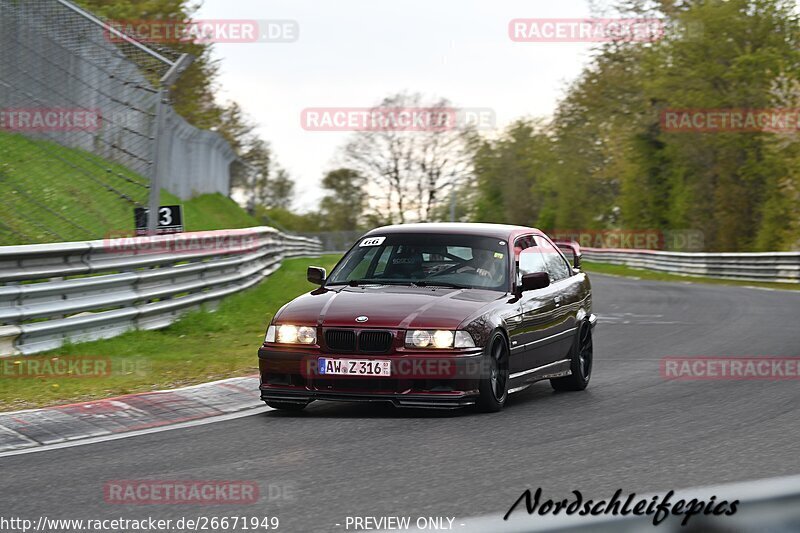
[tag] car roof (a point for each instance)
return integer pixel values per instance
(499, 231)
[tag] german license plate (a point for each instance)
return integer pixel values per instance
(354, 367)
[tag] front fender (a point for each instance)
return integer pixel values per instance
(482, 327)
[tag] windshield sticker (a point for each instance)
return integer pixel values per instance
(498, 255)
(373, 241)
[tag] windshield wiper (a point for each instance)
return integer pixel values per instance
(368, 281)
(423, 283)
(411, 283)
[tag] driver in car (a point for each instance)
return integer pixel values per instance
(485, 263)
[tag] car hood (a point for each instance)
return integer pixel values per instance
(387, 307)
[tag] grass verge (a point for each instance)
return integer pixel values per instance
(55, 194)
(202, 346)
(622, 270)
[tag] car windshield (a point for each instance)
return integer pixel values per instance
(425, 259)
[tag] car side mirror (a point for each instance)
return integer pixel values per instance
(535, 280)
(316, 275)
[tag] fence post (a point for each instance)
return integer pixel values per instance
(157, 170)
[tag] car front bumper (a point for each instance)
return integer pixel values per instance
(431, 380)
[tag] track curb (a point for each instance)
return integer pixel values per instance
(33, 428)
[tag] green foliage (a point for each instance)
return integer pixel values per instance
(605, 161)
(51, 199)
(511, 175)
(345, 199)
(286, 220)
(255, 174)
(211, 212)
(64, 204)
(193, 93)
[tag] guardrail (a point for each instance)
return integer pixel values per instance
(782, 267)
(82, 291)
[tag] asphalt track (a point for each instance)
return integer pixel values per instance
(631, 430)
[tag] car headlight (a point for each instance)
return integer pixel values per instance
(289, 334)
(440, 338)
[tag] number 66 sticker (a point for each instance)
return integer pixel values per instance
(373, 241)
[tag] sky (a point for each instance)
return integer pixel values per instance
(353, 54)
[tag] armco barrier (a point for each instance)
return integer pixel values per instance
(783, 267)
(81, 291)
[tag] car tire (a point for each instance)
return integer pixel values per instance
(287, 406)
(494, 386)
(581, 356)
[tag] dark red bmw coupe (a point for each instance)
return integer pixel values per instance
(434, 315)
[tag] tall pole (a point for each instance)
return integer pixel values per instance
(154, 200)
(167, 80)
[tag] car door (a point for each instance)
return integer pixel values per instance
(539, 320)
(565, 289)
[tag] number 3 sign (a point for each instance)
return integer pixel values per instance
(170, 219)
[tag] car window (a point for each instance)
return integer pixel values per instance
(461, 261)
(531, 261)
(557, 266)
(357, 265)
(460, 251)
(383, 260)
(522, 243)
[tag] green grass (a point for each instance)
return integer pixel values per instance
(52, 194)
(622, 270)
(202, 346)
(211, 211)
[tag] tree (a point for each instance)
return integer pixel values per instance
(281, 190)
(286, 220)
(193, 93)
(254, 174)
(605, 161)
(510, 175)
(344, 202)
(780, 228)
(409, 172)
